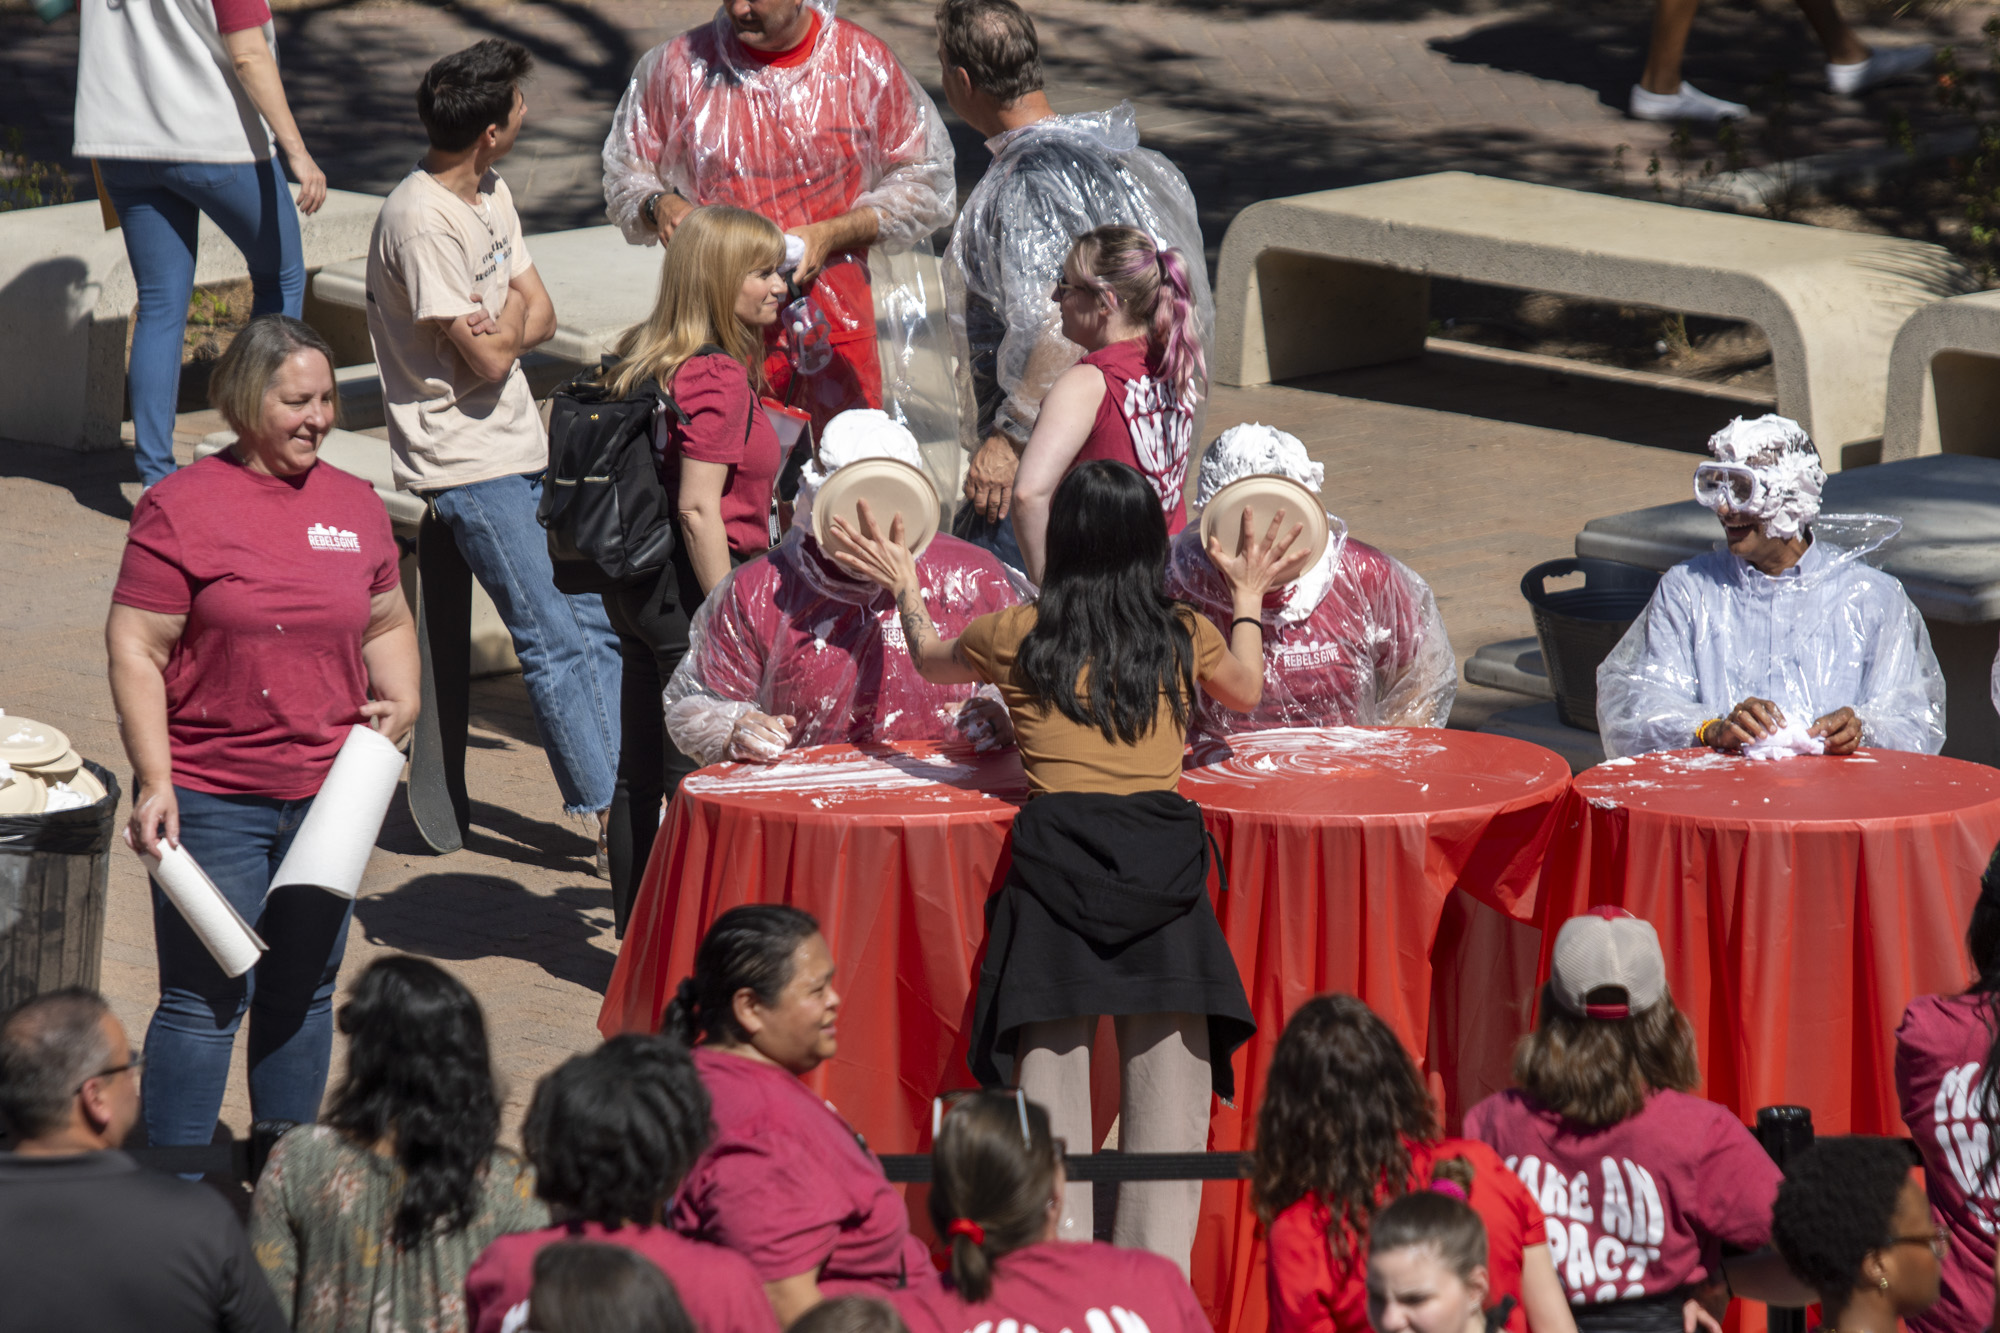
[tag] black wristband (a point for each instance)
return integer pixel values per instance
(649, 211)
(1247, 620)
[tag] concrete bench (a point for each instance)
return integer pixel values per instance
(1327, 281)
(1947, 558)
(601, 285)
(67, 298)
(1944, 380)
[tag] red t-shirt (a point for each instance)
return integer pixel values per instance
(1312, 1292)
(788, 1185)
(1059, 1285)
(1139, 423)
(1940, 1057)
(791, 57)
(236, 15)
(274, 576)
(726, 424)
(716, 1286)
(1642, 1207)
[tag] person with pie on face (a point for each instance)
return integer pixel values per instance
(1783, 638)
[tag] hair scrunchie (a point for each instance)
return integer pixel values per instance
(1451, 1189)
(966, 1227)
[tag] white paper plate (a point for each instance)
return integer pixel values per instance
(27, 743)
(1263, 497)
(891, 487)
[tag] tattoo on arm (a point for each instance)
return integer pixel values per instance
(917, 627)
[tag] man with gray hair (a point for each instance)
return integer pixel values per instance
(93, 1242)
(1053, 178)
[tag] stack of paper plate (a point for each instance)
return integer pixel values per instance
(39, 772)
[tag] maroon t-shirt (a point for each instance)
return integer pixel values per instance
(1140, 423)
(787, 1184)
(236, 15)
(716, 1286)
(274, 576)
(1642, 1207)
(1940, 1058)
(726, 424)
(1058, 1285)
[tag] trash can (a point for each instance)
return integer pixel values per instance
(1578, 627)
(54, 870)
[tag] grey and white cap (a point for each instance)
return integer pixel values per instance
(1607, 948)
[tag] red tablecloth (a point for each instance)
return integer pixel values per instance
(1800, 903)
(1342, 849)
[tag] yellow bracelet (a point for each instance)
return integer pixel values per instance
(1701, 732)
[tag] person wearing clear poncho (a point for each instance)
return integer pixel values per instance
(789, 650)
(782, 108)
(1782, 640)
(1053, 178)
(1355, 641)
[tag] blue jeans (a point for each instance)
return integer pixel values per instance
(159, 209)
(995, 536)
(239, 841)
(568, 650)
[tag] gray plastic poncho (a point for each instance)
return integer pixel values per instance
(1827, 634)
(1050, 182)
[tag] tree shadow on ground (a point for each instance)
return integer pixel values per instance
(93, 478)
(462, 918)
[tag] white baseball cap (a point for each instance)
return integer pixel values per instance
(1607, 948)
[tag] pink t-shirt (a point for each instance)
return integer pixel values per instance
(1642, 1207)
(1055, 1285)
(1940, 1057)
(716, 1286)
(236, 15)
(788, 1185)
(726, 424)
(274, 576)
(1139, 423)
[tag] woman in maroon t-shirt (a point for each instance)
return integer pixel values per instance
(718, 458)
(1131, 399)
(997, 1198)
(258, 617)
(786, 1182)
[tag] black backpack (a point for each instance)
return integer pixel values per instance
(608, 517)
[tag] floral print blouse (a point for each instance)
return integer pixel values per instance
(320, 1227)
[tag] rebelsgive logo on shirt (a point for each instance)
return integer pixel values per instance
(326, 537)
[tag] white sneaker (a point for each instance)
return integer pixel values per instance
(1880, 67)
(1690, 103)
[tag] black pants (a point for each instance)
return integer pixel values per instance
(652, 622)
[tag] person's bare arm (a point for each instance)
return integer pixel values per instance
(538, 320)
(989, 477)
(1764, 1276)
(1257, 565)
(792, 1296)
(1068, 413)
(700, 515)
(850, 231)
(250, 55)
(490, 344)
(882, 559)
(1542, 1298)
(138, 644)
(389, 653)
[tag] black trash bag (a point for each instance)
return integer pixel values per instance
(85, 831)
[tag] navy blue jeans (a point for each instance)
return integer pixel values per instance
(159, 211)
(239, 841)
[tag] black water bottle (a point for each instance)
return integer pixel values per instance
(1785, 1132)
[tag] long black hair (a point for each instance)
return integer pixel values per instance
(418, 1073)
(1104, 615)
(611, 1134)
(1834, 1209)
(747, 948)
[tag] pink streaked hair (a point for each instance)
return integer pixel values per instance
(1124, 267)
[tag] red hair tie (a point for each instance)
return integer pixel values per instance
(967, 1228)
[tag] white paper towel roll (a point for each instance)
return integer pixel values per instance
(331, 848)
(217, 924)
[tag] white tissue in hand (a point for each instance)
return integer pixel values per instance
(1787, 742)
(795, 250)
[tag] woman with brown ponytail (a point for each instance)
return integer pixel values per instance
(786, 1182)
(997, 1198)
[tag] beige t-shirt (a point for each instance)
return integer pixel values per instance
(431, 252)
(1061, 755)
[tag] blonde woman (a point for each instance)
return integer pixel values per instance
(718, 459)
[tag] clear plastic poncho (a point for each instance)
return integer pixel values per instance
(1049, 183)
(791, 633)
(847, 128)
(1354, 641)
(1827, 634)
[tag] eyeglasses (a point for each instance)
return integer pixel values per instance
(1938, 1239)
(1064, 287)
(134, 1061)
(1727, 485)
(941, 1107)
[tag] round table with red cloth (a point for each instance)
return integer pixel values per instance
(1801, 903)
(1342, 847)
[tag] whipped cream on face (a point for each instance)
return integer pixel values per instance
(1786, 463)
